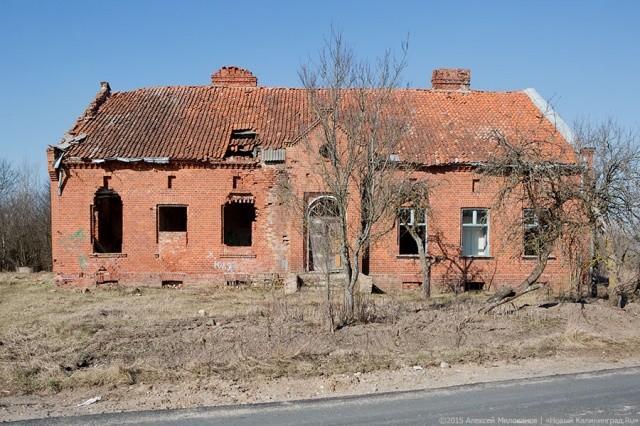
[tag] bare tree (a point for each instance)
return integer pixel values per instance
(414, 208)
(611, 200)
(596, 198)
(359, 112)
(7, 178)
(547, 191)
(25, 237)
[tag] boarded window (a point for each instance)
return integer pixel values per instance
(411, 219)
(238, 223)
(475, 232)
(172, 218)
(106, 222)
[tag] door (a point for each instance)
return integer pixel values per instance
(323, 227)
(324, 244)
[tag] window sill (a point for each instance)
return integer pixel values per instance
(108, 255)
(528, 257)
(408, 256)
(477, 257)
(238, 256)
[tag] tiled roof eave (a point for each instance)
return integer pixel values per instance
(153, 162)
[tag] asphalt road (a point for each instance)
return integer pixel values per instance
(606, 397)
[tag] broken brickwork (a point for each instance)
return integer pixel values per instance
(181, 185)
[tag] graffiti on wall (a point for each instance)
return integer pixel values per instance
(224, 266)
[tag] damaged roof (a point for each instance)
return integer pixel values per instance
(197, 123)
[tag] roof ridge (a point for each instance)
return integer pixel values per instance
(267, 88)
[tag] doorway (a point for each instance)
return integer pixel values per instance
(323, 235)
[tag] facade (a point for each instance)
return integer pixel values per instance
(175, 185)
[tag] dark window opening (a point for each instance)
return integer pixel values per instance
(473, 286)
(171, 284)
(409, 219)
(475, 185)
(325, 151)
(172, 218)
(238, 223)
(170, 180)
(535, 230)
(106, 222)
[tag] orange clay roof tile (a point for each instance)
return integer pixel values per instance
(195, 123)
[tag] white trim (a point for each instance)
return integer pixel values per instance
(547, 110)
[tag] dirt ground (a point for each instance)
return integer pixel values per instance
(152, 348)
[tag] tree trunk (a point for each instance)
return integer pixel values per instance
(425, 265)
(349, 294)
(536, 273)
(612, 269)
(329, 307)
(518, 293)
(525, 286)
(348, 272)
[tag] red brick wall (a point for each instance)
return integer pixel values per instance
(506, 265)
(199, 255)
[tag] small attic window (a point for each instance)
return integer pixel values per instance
(242, 143)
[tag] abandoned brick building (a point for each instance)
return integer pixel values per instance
(177, 184)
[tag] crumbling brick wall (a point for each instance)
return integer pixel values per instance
(197, 255)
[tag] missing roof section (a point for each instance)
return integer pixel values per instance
(242, 143)
(152, 160)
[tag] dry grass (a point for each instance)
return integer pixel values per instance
(55, 339)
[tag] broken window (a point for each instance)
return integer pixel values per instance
(409, 218)
(475, 232)
(172, 218)
(534, 232)
(106, 222)
(238, 221)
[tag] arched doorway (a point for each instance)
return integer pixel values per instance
(323, 235)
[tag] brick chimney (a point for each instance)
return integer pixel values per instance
(234, 76)
(451, 79)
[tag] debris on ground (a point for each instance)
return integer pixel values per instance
(89, 401)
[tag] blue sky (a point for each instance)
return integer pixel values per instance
(583, 56)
